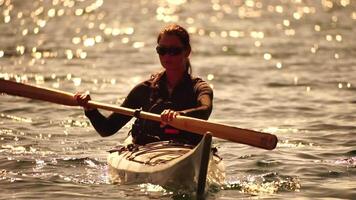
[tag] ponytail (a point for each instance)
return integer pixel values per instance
(189, 67)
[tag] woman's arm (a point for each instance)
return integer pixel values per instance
(204, 103)
(204, 100)
(204, 109)
(107, 126)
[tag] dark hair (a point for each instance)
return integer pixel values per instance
(182, 34)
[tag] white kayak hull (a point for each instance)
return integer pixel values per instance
(173, 166)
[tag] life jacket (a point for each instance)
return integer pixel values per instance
(147, 131)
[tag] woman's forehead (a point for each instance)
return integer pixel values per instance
(170, 40)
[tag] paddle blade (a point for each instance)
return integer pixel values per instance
(231, 133)
(36, 92)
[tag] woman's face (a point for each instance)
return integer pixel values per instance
(172, 54)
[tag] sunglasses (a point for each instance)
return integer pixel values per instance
(172, 51)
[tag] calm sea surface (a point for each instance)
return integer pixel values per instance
(278, 66)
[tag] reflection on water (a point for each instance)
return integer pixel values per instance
(284, 67)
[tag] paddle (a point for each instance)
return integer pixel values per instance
(234, 134)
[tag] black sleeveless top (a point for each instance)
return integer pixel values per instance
(152, 96)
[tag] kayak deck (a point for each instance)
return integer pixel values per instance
(171, 165)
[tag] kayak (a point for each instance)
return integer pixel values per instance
(168, 164)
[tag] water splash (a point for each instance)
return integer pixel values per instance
(349, 162)
(269, 183)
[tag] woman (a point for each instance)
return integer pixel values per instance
(169, 93)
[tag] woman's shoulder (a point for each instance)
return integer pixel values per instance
(149, 82)
(201, 86)
(198, 81)
(140, 91)
(154, 79)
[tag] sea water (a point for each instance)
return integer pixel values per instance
(277, 66)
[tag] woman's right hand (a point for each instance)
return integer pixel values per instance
(82, 99)
(167, 116)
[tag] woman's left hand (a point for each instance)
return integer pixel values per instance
(167, 116)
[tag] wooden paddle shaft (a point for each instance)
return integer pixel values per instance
(231, 133)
